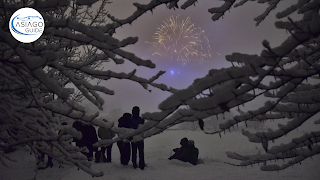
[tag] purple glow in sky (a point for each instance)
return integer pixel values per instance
(236, 32)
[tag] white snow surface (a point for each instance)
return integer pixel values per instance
(157, 150)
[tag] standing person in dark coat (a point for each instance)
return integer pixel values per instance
(78, 126)
(89, 137)
(124, 145)
(136, 121)
(106, 134)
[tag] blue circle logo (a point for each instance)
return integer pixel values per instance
(26, 25)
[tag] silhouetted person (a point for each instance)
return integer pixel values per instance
(187, 152)
(78, 126)
(124, 145)
(89, 137)
(193, 153)
(136, 121)
(106, 134)
(182, 152)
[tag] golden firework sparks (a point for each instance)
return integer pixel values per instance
(180, 40)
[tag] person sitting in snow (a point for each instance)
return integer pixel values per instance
(193, 153)
(187, 152)
(182, 152)
(106, 134)
(124, 145)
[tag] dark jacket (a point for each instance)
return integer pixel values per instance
(182, 152)
(125, 121)
(89, 134)
(78, 126)
(193, 154)
(136, 121)
(187, 152)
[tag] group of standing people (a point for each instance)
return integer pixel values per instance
(127, 147)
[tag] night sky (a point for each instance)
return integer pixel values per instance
(236, 32)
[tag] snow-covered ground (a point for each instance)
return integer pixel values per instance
(157, 150)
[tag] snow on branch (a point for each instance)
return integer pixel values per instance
(35, 102)
(281, 75)
(220, 11)
(290, 158)
(272, 6)
(143, 8)
(188, 3)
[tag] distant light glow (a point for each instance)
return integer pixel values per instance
(174, 72)
(180, 40)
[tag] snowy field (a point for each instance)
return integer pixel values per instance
(157, 149)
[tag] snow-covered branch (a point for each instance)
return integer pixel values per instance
(284, 75)
(35, 100)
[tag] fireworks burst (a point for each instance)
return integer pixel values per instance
(180, 40)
